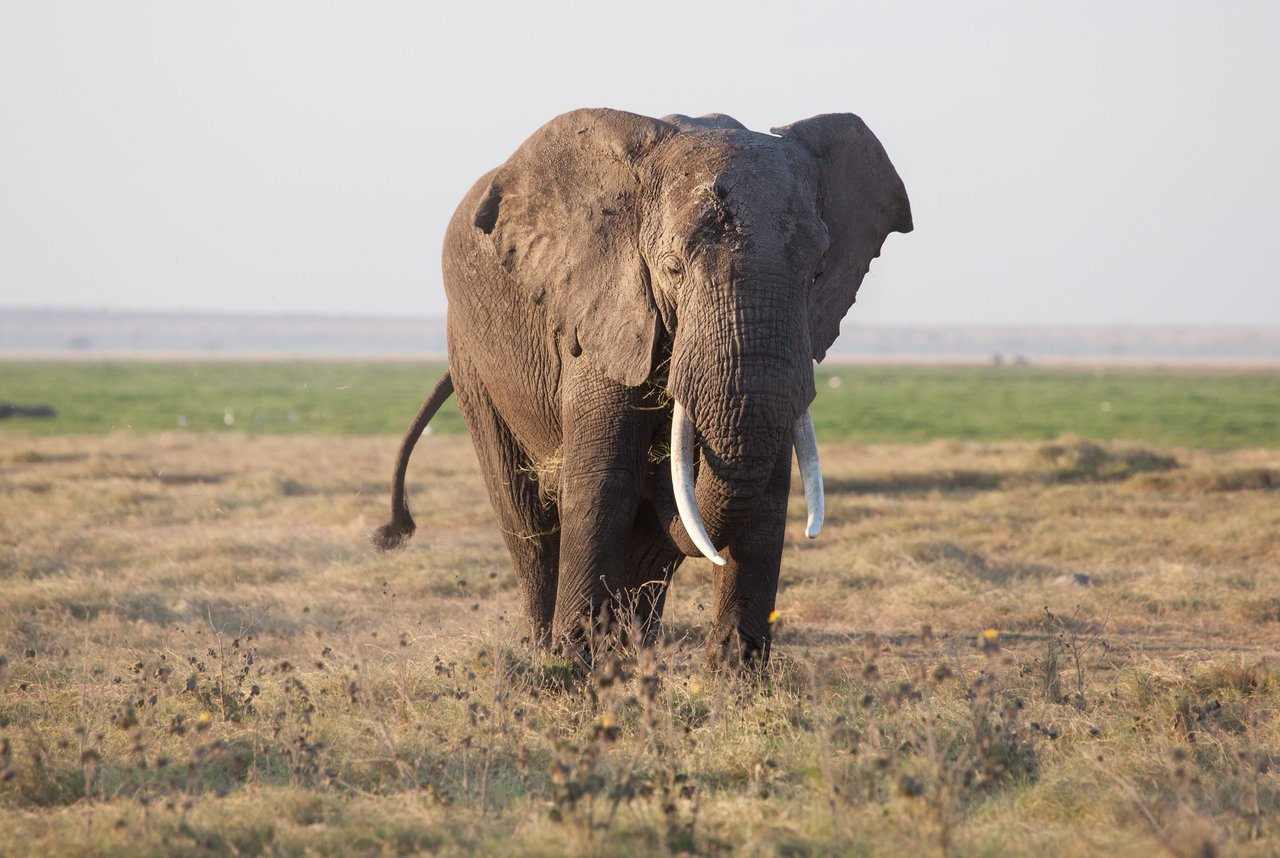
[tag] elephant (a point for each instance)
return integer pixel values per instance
(635, 309)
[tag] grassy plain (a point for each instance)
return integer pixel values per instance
(995, 648)
(866, 404)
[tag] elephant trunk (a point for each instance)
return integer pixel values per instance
(684, 481)
(745, 384)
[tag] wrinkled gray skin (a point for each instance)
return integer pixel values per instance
(616, 263)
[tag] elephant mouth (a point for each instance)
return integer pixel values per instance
(683, 482)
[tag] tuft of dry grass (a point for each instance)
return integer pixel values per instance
(1001, 649)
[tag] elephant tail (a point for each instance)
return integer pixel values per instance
(394, 533)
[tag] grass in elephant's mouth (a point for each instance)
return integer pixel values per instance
(992, 649)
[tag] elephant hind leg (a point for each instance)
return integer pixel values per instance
(528, 519)
(535, 554)
(651, 559)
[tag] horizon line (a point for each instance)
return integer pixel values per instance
(303, 315)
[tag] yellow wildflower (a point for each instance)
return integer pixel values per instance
(989, 641)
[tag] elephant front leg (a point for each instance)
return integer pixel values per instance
(607, 429)
(745, 589)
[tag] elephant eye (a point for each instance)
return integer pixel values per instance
(673, 267)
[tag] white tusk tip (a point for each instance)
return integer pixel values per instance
(806, 443)
(718, 560)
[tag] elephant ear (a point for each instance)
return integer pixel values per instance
(861, 199)
(563, 216)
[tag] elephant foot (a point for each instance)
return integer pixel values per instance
(589, 638)
(729, 648)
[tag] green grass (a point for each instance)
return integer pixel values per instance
(279, 398)
(870, 405)
(1194, 409)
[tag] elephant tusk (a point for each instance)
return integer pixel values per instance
(683, 484)
(806, 441)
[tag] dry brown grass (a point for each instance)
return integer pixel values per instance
(202, 655)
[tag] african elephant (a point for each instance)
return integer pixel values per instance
(627, 290)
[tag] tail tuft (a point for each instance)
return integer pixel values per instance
(393, 534)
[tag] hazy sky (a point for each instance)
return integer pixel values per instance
(1067, 163)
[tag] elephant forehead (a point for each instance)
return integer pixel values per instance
(735, 168)
(741, 191)
(691, 163)
(767, 176)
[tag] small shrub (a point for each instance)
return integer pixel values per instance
(1070, 460)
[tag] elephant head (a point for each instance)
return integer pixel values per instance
(730, 253)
